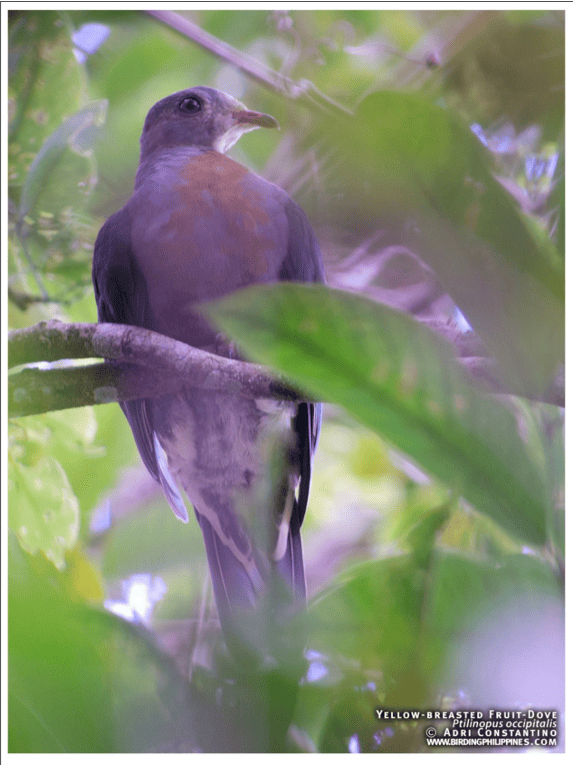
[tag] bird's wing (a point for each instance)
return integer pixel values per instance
(303, 263)
(122, 298)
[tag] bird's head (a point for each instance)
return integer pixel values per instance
(199, 117)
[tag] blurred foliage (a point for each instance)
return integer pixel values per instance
(407, 388)
(455, 155)
(419, 164)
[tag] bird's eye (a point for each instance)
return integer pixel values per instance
(190, 105)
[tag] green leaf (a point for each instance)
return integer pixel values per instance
(371, 613)
(396, 377)
(409, 166)
(44, 511)
(151, 540)
(51, 163)
(400, 624)
(59, 697)
(57, 177)
(489, 79)
(464, 589)
(83, 680)
(506, 614)
(46, 85)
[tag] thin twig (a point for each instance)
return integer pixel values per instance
(301, 90)
(24, 300)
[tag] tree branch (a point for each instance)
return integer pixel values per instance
(169, 365)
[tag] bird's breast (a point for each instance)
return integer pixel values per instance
(203, 228)
(228, 215)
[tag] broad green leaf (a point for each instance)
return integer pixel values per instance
(545, 425)
(396, 377)
(396, 624)
(51, 166)
(464, 589)
(46, 85)
(489, 78)
(44, 512)
(59, 693)
(371, 613)
(506, 614)
(405, 164)
(82, 680)
(54, 234)
(58, 177)
(76, 429)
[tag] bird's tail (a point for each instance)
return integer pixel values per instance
(255, 596)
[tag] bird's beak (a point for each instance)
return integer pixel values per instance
(241, 121)
(257, 119)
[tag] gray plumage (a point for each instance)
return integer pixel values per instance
(199, 226)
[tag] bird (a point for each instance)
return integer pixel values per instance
(197, 227)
